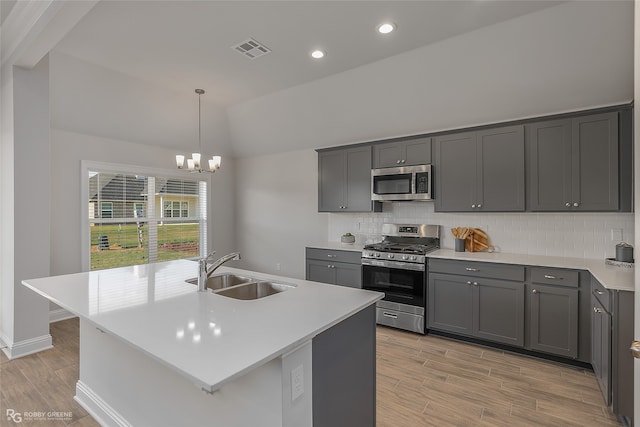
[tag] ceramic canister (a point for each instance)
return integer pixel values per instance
(624, 252)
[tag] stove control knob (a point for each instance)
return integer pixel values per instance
(377, 255)
(413, 257)
(390, 256)
(404, 257)
(370, 253)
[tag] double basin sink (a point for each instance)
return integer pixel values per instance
(241, 287)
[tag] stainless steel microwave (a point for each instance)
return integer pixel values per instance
(402, 183)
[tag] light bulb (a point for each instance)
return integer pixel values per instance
(180, 161)
(196, 159)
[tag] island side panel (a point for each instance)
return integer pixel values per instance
(120, 385)
(344, 373)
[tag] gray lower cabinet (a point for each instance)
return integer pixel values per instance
(335, 267)
(480, 171)
(450, 304)
(601, 347)
(344, 180)
(573, 164)
(479, 307)
(611, 333)
(406, 152)
(553, 319)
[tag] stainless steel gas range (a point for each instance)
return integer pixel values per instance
(397, 266)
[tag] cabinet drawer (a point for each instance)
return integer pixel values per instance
(555, 276)
(351, 257)
(601, 293)
(477, 269)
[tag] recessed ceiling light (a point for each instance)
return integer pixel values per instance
(318, 54)
(386, 28)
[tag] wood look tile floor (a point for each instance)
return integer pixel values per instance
(421, 381)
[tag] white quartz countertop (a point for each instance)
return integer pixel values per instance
(353, 247)
(611, 277)
(209, 338)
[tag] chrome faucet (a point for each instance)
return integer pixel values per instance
(205, 270)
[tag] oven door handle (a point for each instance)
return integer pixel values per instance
(393, 264)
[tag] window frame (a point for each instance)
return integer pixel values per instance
(151, 216)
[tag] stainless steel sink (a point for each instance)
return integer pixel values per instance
(222, 281)
(254, 290)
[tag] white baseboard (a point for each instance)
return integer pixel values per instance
(26, 347)
(60, 314)
(104, 414)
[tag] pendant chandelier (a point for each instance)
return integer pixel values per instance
(194, 164)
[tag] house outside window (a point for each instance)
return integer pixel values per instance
(176, 209)
(136, 219)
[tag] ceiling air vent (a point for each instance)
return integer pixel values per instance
(251, 48)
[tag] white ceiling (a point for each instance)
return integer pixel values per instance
(182, 45)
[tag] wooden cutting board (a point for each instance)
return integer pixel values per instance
(476, 241)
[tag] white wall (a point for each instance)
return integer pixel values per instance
(30, 206)
(277, 211)
(101, 115)
(69, 148)
(570, 57)
(93, 100)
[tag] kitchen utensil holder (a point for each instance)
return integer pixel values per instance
(459, 245)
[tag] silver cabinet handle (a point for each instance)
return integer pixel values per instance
(479, 205)
(398, 162)
(635, 349)
(597, 310)
(599, 292)
(391, 315)
(567, 204)
(576, 204)
(473, 206)
(468, 282)
(471, 269)
(547, 276)
(475, 283)
(331, 255)
(331, 266)
(535, 291)
(404, 161)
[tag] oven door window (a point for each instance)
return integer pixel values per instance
(402, 286)
(392, 184)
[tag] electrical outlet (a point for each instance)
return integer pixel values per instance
(297, 382)
(277, 266)
(616, 234)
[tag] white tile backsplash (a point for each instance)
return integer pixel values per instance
(581, 235)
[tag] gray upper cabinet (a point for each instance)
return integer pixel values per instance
(344, 180)
(402, 153)
(573, 164)
(480, 171)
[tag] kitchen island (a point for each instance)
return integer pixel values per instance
(154, 351)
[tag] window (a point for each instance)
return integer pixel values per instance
(176, 209)
(106, 210)
(136, 219)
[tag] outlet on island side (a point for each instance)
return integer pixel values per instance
(297, 382)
